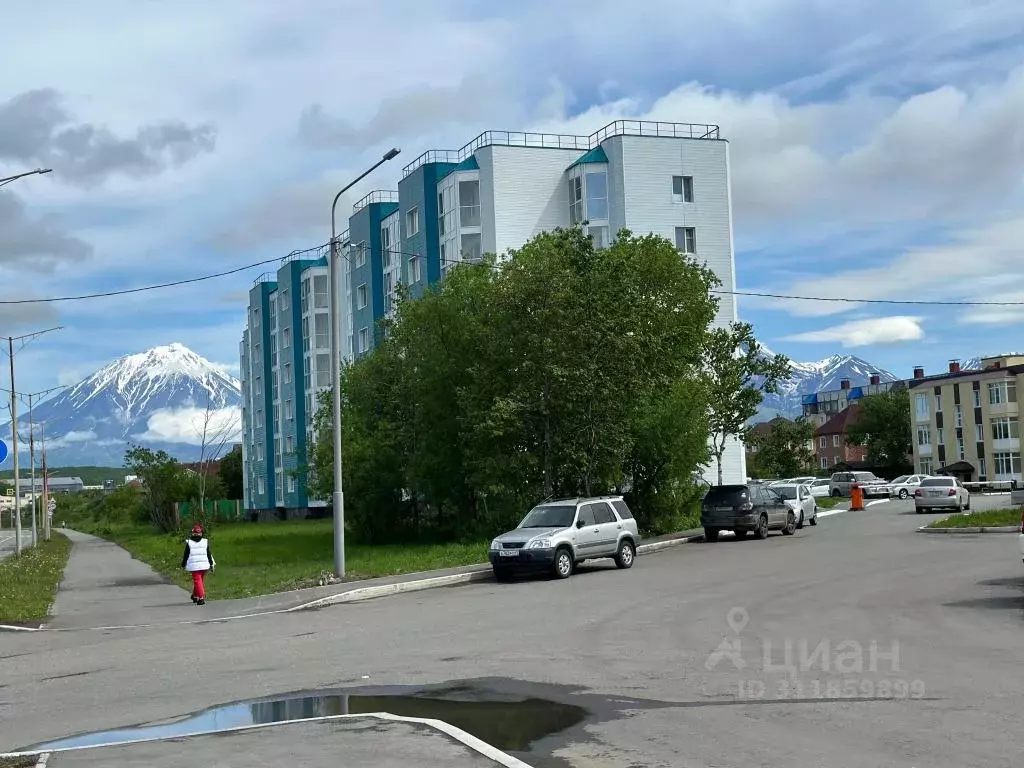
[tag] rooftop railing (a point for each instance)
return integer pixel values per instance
(377, 196)
(700, 131)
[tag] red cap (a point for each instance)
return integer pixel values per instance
(198, 529)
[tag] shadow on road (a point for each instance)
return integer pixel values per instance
(1012, 599)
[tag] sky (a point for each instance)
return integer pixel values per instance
(877, 151)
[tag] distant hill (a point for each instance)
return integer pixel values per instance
(89, 475)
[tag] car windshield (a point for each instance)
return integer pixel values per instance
(820, 483)
(863, 477)
(550, 516)
(785, 491)
(901, 479)
(946, 481)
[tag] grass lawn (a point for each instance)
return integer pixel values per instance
(18, 762)
(829, 502)
(260, 558)
(993, 518)
(29, 581)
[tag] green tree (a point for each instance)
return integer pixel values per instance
(786, 449)
(164, 482)
(737, 373)
(882, 425)
(230, 474)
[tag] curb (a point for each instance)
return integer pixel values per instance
(991, 529)
(484, 574)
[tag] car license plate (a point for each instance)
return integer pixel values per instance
(723, 509)
(509, 553)
(936, 493)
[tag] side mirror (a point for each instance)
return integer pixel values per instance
(579, 523)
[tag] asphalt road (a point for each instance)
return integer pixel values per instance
(680, 661)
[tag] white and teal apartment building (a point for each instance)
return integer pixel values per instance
(493, 194)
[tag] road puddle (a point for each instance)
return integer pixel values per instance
(512, 724)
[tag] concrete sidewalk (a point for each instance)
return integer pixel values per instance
(384, 743)
(104, 586)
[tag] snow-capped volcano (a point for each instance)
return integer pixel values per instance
(160, 399)
(818, 376)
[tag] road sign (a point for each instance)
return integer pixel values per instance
(51, 505)
(3, 451)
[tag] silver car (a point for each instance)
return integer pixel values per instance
(798, 497)
(941, 493)
(557, 536)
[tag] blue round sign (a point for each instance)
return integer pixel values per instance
(3, 451)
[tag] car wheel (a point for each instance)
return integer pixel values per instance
(710, 534)
(563, 563)
(835, 493)
(502, 574)
(968, 507)
(790, 528)
(814, 520)
(800, 523)
(904, 493)
(626, 555)
(761, 532)
(959, 507)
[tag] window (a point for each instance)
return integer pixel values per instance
(361, 254)
(323, 370)
(289, 410)
(321, 331)
(385, 245)
(982, 473)
(924, 436)
(440, 212)
(471, 248)
(415, 269)
(938, 402)
(469, 203)
(320, 291)
(926, 466)
(364, 339)
(822, 442)
(286, 338)
(938, 434)
(960, 447)
(682, 189)
(576, 201)
(260, 487)
(1006, 463)
(597, 195)
(686, 239)
(291, 483)
(835, 441)
(412, 222)
(979, 433)
(287, 373)
(1005, 428)
(273, 315)
(958, 415)
(277, 414)
(1002, 392)
(277, 451)
(361, 297)
(283, 301)
(921, 407)
(306, 370)
(977, 398)
(599, 236)
(824, 462)
(289, 445)
(444, 258)
(304, 296)
(305, 334)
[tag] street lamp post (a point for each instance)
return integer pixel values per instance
(334, 272)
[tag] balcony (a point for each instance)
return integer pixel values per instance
(469, 215)
(924, 450)
(1006, 444)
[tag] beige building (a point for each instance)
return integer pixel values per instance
(965, 422)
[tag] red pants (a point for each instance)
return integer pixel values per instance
(197, 584)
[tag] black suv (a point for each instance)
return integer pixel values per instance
(745, 508)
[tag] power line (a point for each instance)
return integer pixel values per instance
(457, 262)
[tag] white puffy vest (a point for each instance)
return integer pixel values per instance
(198, 557)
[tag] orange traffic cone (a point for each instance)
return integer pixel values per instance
(856, 498)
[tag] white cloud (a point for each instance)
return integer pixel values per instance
(81, 436)
(185, 425)
(231, 368)
(863, 333)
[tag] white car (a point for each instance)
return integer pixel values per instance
(941, 493)
(905, 485)
(819, 487)
(799, 499)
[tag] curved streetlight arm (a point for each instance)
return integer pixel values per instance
(37, 171)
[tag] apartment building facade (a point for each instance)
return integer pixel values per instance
(494, 194)
(830, 444)
(819, 407)
(285, 363)
(965, 423)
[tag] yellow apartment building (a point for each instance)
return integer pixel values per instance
(965, 422)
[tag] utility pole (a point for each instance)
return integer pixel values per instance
(25, 339)
(46, 488)
(334, 273)
(32, 461)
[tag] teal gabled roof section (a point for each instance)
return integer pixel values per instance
(469, 164)
(596, 155)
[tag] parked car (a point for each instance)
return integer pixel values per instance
(1020, 537)
(792, 481)
(557, 536)
(905, 485)
(750, 508)
(798, 497)
(941, 493)
(820, 487)
(842, 483)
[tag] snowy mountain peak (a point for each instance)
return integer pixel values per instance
(158, 398)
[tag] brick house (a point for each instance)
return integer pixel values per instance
(830, 446)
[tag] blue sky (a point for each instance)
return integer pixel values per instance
(877, 150)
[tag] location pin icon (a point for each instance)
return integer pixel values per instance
(737, 619)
